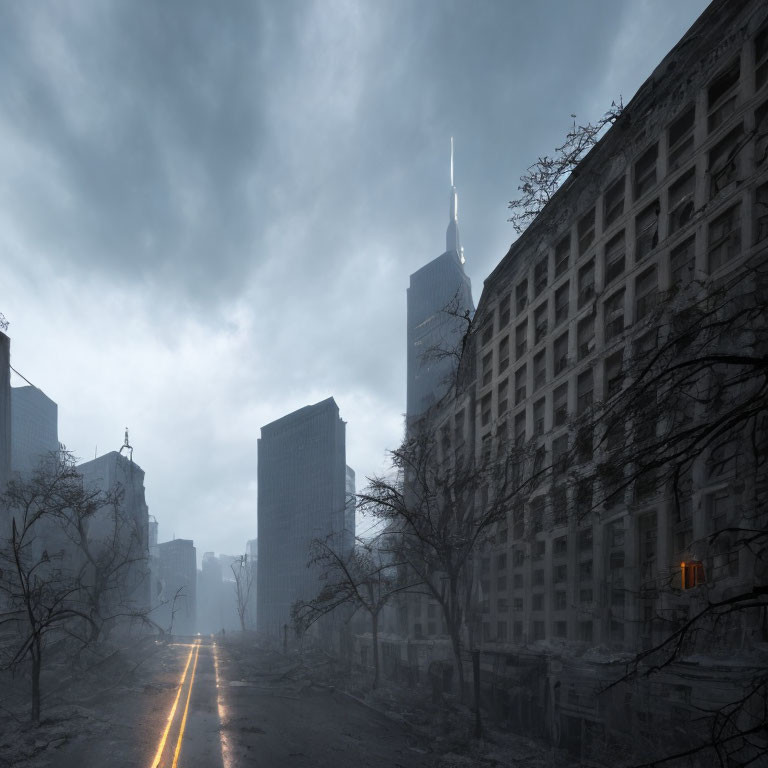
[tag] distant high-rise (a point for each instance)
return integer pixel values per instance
(439, 295)
(349, 511)
(5, 411)
(106, 473)
(34, 428)
(301, 496)
(178, 574)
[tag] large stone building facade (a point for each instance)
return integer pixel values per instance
(675, 192)
(674, 195)
(301, 497)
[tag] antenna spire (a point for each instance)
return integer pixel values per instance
(452, 234)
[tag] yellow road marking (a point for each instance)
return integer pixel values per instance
(160, 748)
(186, 710)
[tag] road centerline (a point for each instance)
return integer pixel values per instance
(186, 710)
(161, 746)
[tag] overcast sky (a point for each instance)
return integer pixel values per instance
(209, 211)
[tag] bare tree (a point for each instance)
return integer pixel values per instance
(109, 554)
(366, 577)
(685, 422)
(438, 506)
(40, 597)
(542, 179)
(243, 572)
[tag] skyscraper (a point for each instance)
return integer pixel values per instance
(178, 574)
(439, 295)
(5, 410)
(34, 428)
(349, 511)
(107, 473)
(301, 496)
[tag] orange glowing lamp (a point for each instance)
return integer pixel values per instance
(691, 574)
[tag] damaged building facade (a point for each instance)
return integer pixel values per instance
(674, 194)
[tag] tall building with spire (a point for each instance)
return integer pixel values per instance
(439, 295)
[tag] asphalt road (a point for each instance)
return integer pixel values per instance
(200, 704)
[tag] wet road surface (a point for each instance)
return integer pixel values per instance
(202, 706)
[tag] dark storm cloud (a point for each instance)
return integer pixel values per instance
(246, 187)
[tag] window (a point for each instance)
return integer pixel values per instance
(586, 337)
(537, 519)
(501, 628)
(614, 202)
(521, 339)
(459, 427)
(538, 549)
(585, 631)
(504, 313)
(560, 405)
(586, 231)
(518, 524)
(561, 304)
(761, 213)
(584, 497)
(646, 231)
(648, 546)
(585, 595)
(559, 496)
(614, 374)
(681, 200)
(562, 254)
(520, 429)
(645, 171)
(586, 283)
(585, 443)
(485, 410)
(560, 455)
(585, 571)
(761, 58)
(721, 96)
(521, 296)
(614, 258)
(538, 417)
(501, 400)
(613, 315)
(584, 390)
(540, 322)
(724, 161)
(538, 630)
(517, 604)
(560, 600)
(683, 262)
(487, 369)
(539, 370)
(540, 276)
(680, 140)
(504, 354)
(518, 558)
(559, 573)
(520, 375)
(501, 561)
(487, 332)
(517, 581)
(537, 604)
(718, 507)
(560, 349)
(761, 131)
(724, 238)
(646, 292)
(585, 540)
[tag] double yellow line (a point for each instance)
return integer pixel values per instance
(161, 746)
